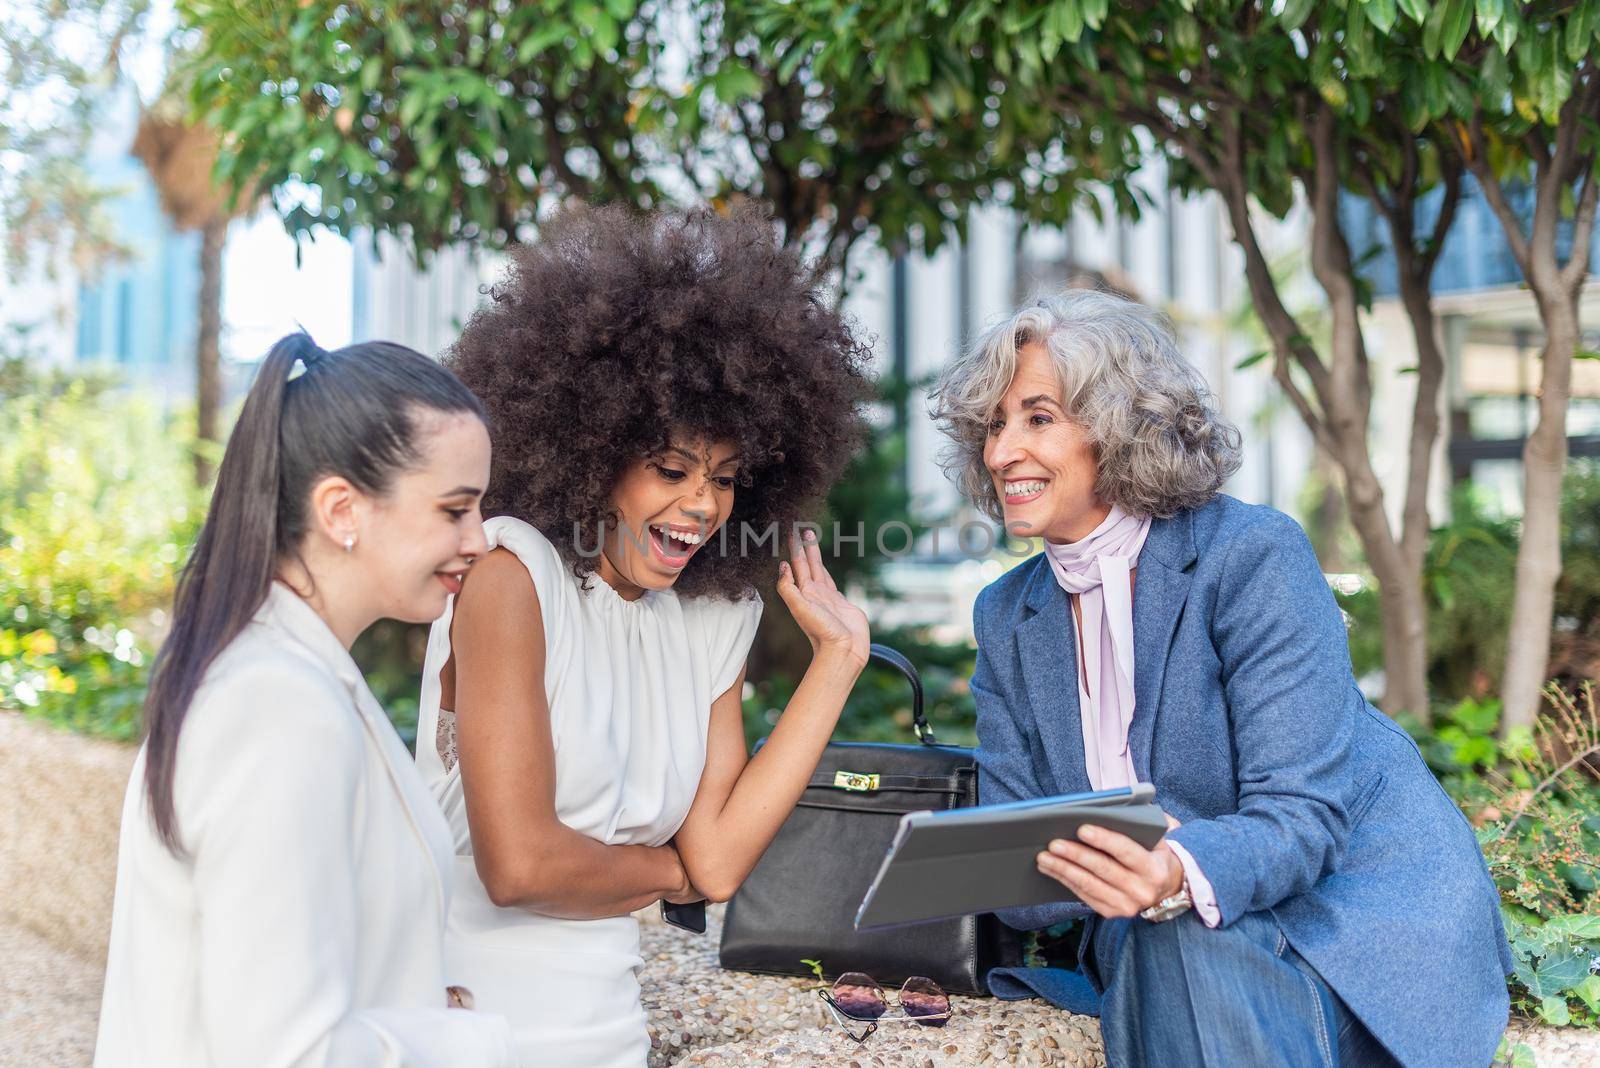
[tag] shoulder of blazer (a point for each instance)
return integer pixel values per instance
(1226, 526)
(263, 684)
(1001, 602)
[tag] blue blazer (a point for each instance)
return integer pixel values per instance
(1295, 794)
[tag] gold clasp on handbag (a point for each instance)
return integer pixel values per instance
(854, 780)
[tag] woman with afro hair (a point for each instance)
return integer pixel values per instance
(666, 393)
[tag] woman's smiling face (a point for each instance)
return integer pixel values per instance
(1044, 469)
(667, 507)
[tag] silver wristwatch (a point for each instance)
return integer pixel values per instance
(1168, 907)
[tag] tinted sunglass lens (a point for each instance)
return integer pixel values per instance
(859, 996)
(922, 1000)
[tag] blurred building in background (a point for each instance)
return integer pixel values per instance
(1491, 336)
(134, 314)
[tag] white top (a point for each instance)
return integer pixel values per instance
(304, 925)
(630, 686)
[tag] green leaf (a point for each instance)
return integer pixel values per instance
(1586, 354)
(411, 107)
(1522, 968)
(917, 66)
(1475, 751)
(1066, 19)
(733, 84)
(1582, 927)
(535, 43)
(605, 30)
(1505, 34)
(1295, 12)
(1252, 359)
(1333, 90)
(1553, 1011)
(1456, 27)
(1589, 992)
(1562, 970)
(1416, 10)
(404, 45)
(792, 59)
(1186, 34)
(1446, 28)
(1381, 13)
(1489, 15)
(1579, 39)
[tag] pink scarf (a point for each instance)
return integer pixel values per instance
(1097, 568)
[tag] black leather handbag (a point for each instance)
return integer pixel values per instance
(800, 902)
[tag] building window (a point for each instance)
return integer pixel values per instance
(88, 323)
(124, 320)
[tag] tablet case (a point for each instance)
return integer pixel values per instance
(979, 859)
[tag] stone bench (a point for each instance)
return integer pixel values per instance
(702, 1015)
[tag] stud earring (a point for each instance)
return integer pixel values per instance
(349, 543)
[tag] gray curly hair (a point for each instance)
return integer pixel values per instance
(1159, 444)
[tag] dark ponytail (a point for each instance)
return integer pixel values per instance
(310, 414)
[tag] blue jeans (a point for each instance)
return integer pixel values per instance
(1180, 993)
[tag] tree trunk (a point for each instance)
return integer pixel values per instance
(1341, 427)
(1401, 605)
(1544, 461)
(208, 358)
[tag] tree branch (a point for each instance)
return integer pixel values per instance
(1450, 176)
(1308, 415)
(1330, 262)
(1577, 267)
(1472, 146)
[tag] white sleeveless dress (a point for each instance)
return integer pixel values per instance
(630, 686)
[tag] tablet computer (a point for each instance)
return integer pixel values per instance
(980, 859)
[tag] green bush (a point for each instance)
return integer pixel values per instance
(1535, 802)
(97, 510)
(879, 708)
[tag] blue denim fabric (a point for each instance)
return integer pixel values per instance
(1182, 993)
(1061, 987)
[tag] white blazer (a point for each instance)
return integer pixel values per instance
(304, 926)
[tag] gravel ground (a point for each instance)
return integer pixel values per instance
(49, 1002)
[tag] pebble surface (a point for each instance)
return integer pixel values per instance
(702, 1015)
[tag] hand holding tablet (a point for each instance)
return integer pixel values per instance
(985, 858)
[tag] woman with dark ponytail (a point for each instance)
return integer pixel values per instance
(277, 845)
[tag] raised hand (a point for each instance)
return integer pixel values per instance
(830, 621)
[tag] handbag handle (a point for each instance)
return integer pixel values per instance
(887, 654)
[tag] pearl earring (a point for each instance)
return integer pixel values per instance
(349, 543)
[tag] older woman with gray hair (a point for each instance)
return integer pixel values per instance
(1318, 899)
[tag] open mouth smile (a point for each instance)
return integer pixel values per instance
(673, 546)
(1021, 491)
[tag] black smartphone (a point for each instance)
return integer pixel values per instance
(691, 917)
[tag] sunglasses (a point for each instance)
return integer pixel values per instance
(857, 998)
